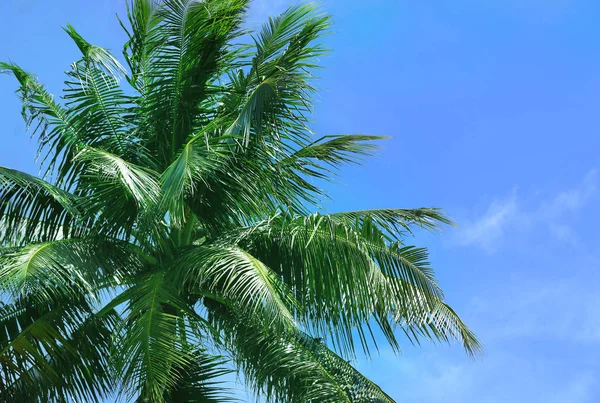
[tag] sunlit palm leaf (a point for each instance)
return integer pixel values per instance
(67, 267)
(235, 275)
(340, 270)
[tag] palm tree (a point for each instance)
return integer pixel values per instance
(170, 232)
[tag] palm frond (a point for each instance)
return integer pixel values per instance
(437, 322)
(287, 49)
(118, 193)
(331, 151)
(252, 111)
(299, 24)
(235, 275)
(342, 272)
(151, 354)
(108, 171)
(100, 109)
(202, 381)
(33, 210)
(195, 38)
(355, 385)
(59, 135)
(289, 366)
(144, 38)
(48, 350)
(97, 56)
(277, 91)
(64, 268)
(192, 171)
(272, 365)
(395, 222)
(79, 369)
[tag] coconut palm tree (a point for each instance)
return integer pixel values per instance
(171, 234)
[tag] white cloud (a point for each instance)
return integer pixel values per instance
(498, 377)
(488, 230)
(565, 311)
(508, 214)
(570, 200)
(579, 390)
(563, 233)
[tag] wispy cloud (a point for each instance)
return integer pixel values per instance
(488, 230)
(531, 314)
(563, 233)
(501, 376)
(579, 389)
(565, 310)
(572, 199)
(509, 214)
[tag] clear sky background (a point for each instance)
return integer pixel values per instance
(494, 110)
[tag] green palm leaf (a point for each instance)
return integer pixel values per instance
(290, 366)
(77, 369)
(33, 210)
(67, 267)
(152, 351)
(235, 275)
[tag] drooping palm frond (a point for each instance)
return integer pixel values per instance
(271, 366)
(202, 381)
(355, 386)
(290, 366)
(57, 128)
(138, 183)
(78, 368)
(96, 56)
(55, 351)
(153, 352)
(33, 210)
(67, 267)
(439, 322)
(233, 274)
(339, 270)
(118, 193)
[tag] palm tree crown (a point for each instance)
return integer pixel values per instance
(171, 229)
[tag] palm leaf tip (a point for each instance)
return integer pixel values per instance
(95, 54)
(21, 75)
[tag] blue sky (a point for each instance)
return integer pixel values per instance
(493, 109)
